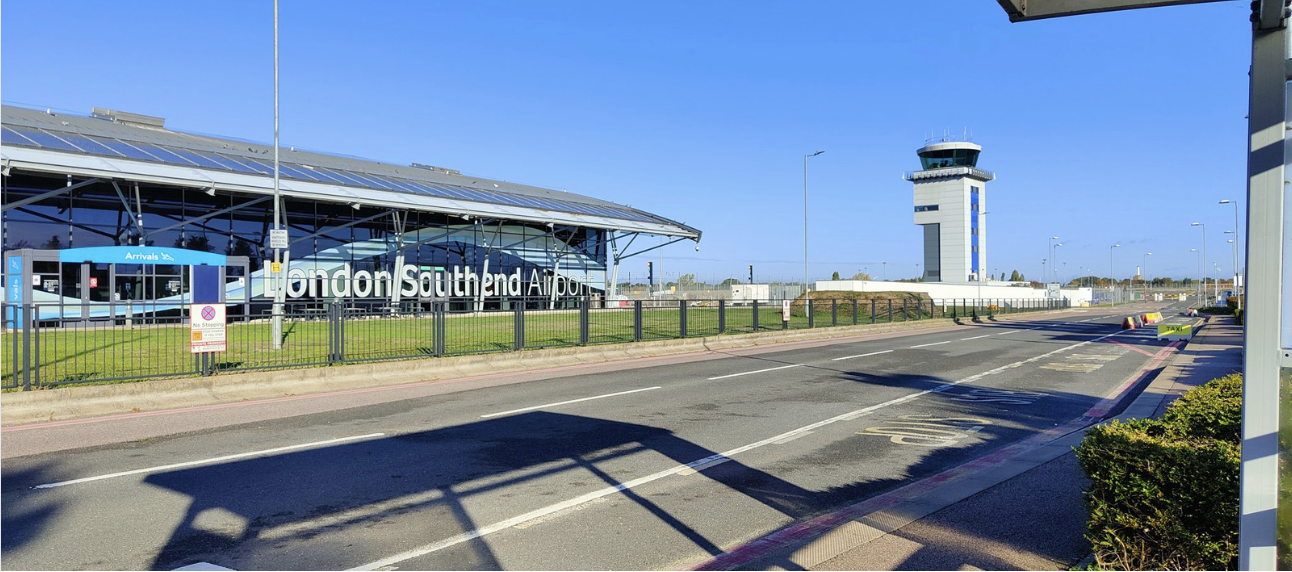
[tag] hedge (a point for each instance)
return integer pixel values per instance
(1164, 493)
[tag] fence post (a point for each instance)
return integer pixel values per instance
(681, 318)
(906, 316)
(890, 310)
(811, 318)
(584, 320)
(872, 310)
(28, 324)
(722, 316)
(755, 316)
(834, 312)
(518, 341)
(854, 311)
(637, 320)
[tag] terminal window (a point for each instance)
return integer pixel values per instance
(925, 208)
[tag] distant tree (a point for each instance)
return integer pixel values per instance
(835, 276)
(52, 244)
(861, 276)
(1016, 277)
(686, 280)
(729, 282)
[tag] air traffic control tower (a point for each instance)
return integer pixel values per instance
(950, 201)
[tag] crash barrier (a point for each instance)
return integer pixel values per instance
(1132, 322)
(1151, 317)
(43, 348)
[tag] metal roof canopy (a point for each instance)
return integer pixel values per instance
(1263, 350)
(43, 142)
(1028, 10)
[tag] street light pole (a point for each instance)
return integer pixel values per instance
(1050, 253)
(1237, 248)
(1112, 275)
(279, 281)
(806, 289)
(1054, 263)
(1145, 271)
(1200, 271)
(1204, 253)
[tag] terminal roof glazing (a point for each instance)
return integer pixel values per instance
(100, 137)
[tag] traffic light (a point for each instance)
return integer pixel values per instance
(650, 273)
(751, 273)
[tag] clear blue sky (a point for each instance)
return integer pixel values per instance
(1111, 128)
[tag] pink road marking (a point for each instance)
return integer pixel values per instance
(1128, 346)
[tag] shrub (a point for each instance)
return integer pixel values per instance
(1164, 493)
(1214, 410)
(1238, 316)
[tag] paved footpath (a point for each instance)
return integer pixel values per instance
(1019, 508)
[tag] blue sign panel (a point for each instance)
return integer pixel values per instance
(14, 286)
(206, 285)
(141, 255)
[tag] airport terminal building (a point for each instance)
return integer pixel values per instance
(358, 229)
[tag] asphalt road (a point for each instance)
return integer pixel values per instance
(615, 467)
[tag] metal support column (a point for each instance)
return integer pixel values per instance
(1267, 129)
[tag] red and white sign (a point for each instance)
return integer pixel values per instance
(94, 282)
(785, 310)
(206, 328)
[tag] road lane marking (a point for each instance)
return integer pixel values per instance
(209, 461)
(566, 402)
(975, 337)
(862, 355)
(758, 371)
(698, 468)
(1009, 332)
(788, 439)
(932, 344)
(626, 485)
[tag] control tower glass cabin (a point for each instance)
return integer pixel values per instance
(950, 199)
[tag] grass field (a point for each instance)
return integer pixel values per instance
(104, 351)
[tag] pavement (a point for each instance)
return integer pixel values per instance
(1019, 508)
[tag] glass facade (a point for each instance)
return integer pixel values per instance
(949, 158)
(327, 238)
(973, 225)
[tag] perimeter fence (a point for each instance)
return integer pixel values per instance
(43, 351)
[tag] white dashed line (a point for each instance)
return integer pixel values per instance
(862, 355)
(758, 371)
(932, 344)
(975, 338)
(1009, 332)
(208, 461)
(567, 402)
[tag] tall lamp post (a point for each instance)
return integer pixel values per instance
(806, 289)
(1050, 253)
(276, 239)
(1201, 272)
(1112, 274)
(1054, 263)
(1237, 248)
(1204, 253)
(1144, 269)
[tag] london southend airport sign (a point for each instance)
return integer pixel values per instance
(414, 281)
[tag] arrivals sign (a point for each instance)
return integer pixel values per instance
(206, 328)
